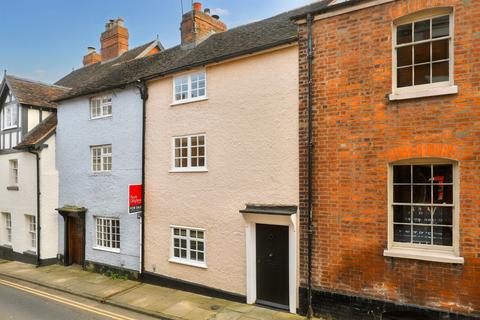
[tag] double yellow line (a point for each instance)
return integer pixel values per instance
(65, 301)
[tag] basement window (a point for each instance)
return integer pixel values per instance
(190, 87)
(423, 207)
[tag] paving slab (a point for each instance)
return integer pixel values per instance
(153, 300)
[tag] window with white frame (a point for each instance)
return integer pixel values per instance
(7, 220)
(107, 233)
(101, 107)
(32, 232)
(424, 205)
(101, 158)
(10, 116)
(189, 153)
(188, 245)
(423, 51)
(13, 172)
(190, 87)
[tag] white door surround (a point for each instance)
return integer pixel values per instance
(283, 220)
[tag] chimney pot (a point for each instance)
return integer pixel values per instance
(216, 16)
(206, 11)
(91, 50)
(197, 6)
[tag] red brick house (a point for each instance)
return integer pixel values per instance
(395, 158)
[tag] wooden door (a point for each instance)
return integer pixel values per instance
(75, 241)
(272, 265)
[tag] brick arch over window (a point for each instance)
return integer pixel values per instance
(416, 9)
(444, 151)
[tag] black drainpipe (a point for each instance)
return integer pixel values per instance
(37, 155)
(310, 163)
(142, 87)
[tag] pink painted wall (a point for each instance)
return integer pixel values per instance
(251, 124)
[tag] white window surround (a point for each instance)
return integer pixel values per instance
(32, 232)
(189, 167)
(101, 159)
(425, 90)
(107, 234)
(7, 224)
(10, 116)
(186, 89)
(188, 248)
(434, 253)
(13, 163)
(101, 107)
(251, 259)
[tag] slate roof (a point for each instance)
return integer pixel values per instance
(95, 73)
(40, 133)
(239, 41)
(34, 93)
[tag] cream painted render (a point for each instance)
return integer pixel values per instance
(35, 116)
(23, 202)
(251, 124)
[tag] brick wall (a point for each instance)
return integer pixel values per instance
(358, 131)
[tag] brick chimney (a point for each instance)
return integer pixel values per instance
(114, 39)
(197, 25)
(91, 57)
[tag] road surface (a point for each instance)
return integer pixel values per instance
(23, 301)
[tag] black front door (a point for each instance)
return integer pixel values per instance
(272, 265)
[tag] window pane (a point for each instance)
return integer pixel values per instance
(422, 174)
(401, 174)
(402, 233)
(442, 174)
(404, 33)
(422, 194)
(422, 30)
(443, 215)
(404, 77)
(401, 194)
(176, 253)
(440, 50)
(201, 162)
(422, 74)
(443, 194)
(404, 56)
(440, 71)
(422, 53)
(200, 256)
(402, 214)
(440, 27)
(200, 236)
(422, 234)
(422, 215)
(194, 162)
(442, 236)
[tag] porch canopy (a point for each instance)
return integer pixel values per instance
(271, 209)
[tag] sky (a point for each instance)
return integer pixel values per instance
(46, 39)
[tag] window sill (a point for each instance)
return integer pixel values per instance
(13, 188)
(189, 170)
(433, 92)
(107, 249)
(424, 255)
(189, 263)
(177, 103)
(100, 174)
(7, 246)
(102, 117)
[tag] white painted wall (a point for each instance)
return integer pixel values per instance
(22, 202)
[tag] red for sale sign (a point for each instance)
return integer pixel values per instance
(135, 199)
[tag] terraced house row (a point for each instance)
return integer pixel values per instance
(322, 161)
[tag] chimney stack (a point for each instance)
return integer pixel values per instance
(91, 57)
(197, 25)
(114, 39)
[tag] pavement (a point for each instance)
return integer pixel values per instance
(151, 300)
